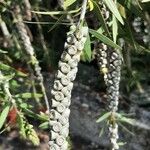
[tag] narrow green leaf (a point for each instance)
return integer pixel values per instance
(9, 68)
(100, 30)
(34, 115)
(104, 39)
(101, 18)
(145, 1)
(67, 3)
(104, 117)
(113, 8)
(3, 115)
(2, 51)
(44, 125)
(132, 8)
(87, 49)
(28, 95)
(139, 48)
(122, 143)
(125, 128)
(101, 132)
(7, 77)
(56, 12)
(132, 122)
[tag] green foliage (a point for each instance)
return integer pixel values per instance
(113, 8)
(87, 52)
(3, 115)
(104, 39)
(19, 86)
(27, 131)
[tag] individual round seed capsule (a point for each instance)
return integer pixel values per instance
(79, 45)
(68, 96)
(57, 127)
(54, 135)
(60, 108)
(53, 92)
(73, 63)
(64, 146)
(83, 40)
(66, 113)
(53, 146)
(104, 54)
(72, 28)
(63, 120)
(60, 140)
(72, 50)
(79, 34)
(103, 66)
(65, 91)
(66, 45)
(110, 82)
(72, 74)
(76, 56)
(114, 55)
(70, 86)
(59, 96)
(71, 39)
(64, 132)
(104, 46)
(104, 61)
(116, 63)
(51, 142)
(65, 56)
(112, 66)
(54, 114)
(66, 102)
(54, 103)
(109, 76)
(59, 74)
(65, 68)
(57, 85)
(114, 74)
(65, 81)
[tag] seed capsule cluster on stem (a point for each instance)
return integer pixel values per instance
(30, 50)
(63, 84)
(142, 28)
(109, 59)
(110, 64)
(112, 82)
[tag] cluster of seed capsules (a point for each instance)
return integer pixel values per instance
(30, 50)
(63, 84)
(112, 82)
(142, 28)
(109, 62)
(112, 78)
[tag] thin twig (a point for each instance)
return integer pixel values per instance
(82, 15)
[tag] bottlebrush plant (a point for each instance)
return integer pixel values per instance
(107, 30)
